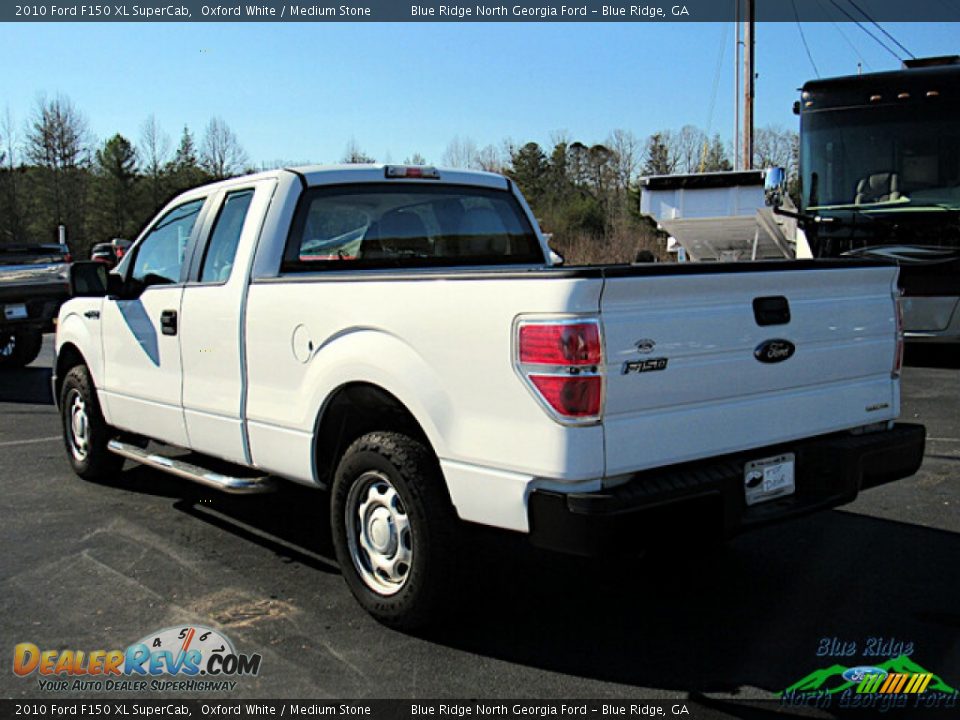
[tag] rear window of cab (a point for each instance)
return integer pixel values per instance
(383, 225)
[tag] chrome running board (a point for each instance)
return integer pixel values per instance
(180, 468)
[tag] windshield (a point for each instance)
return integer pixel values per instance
(882, 159)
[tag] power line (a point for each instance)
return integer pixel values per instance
(803, 37)
(716, 76)
(846, 39)
(866, 30)
(713, 95)
(881, 29)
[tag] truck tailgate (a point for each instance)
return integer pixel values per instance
(32, 266)
(683, 376)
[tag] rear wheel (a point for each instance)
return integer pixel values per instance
(85, 432)
(19, 348)
(393, 528)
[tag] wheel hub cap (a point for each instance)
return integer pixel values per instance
(378, 533)
(79, 425)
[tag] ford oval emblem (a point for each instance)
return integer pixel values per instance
(856, 674)
(774, 351)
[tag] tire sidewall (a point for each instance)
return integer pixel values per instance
(407, 606)
(99, 460)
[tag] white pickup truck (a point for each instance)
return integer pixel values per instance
(399, 336)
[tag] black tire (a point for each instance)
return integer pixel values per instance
(20, 348)
(412, 471)
(87, 445)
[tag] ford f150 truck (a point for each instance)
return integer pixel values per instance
(33, 284)
(399, 336)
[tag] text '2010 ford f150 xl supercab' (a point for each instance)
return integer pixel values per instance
(398, 336)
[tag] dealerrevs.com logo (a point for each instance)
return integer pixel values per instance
(176, 659)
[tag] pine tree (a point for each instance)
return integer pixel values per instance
(658, 159)
(184, 170)
(529, 168)
(715, 158)
(115, 189)
(57, 145)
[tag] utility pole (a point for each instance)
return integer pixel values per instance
(736, 84)
(749, 39)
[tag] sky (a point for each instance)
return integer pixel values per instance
(299, 92)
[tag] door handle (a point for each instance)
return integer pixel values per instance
(168, 322)
(773, 310)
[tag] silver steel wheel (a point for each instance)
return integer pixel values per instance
(78, 425)
(378, 533)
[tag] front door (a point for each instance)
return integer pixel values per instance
(142, 367)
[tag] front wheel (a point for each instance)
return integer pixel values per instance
(85, 432)
(393, 528)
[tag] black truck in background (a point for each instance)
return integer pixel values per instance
(33, 285)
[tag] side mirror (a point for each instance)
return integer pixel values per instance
(774, 186)
(115, 285)
(88, 279)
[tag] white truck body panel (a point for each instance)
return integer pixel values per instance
(211, 337)
(448, 360)
(257, 357)
(143, 374)
(714, 397)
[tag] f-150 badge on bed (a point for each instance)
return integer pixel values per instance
(642, 366)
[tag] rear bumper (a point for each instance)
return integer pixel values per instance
(41, 302)
(708, 495)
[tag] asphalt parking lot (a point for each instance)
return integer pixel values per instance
(101, 565)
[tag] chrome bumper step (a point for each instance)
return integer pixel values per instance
(219, 481)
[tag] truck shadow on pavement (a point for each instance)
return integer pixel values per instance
(29, 385)
(751, 615)
(289, 522)
(746, 618)
(945, 356)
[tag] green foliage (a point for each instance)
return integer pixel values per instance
(58, 148)
(658, 157)
(529, 168)
(715, 156)
(183, 171)
(115, 207)
(582, 197)
(59, 176)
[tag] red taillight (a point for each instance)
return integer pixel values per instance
(898, 355)
(562, 362)
(573, 344)
(68, 258)
(575, 397)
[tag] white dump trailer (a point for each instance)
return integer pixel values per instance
(718, 216)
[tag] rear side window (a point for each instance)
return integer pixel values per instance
(405, 225)
(222, 248)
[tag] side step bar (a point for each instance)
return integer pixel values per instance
(180, 468)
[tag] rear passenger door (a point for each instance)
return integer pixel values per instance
(212, 321)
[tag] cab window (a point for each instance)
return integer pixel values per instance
(160, 254)
(225, 237)
(386, 225)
